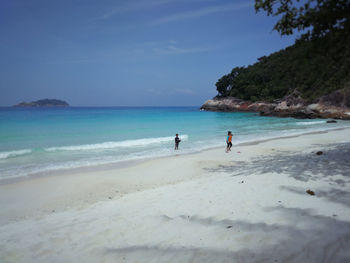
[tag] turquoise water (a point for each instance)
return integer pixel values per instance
(45, 139)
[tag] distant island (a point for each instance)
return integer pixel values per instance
(43, 103)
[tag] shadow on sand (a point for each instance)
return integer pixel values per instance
(333, 167)
(335, 161)
(306, 238)
(302, 237)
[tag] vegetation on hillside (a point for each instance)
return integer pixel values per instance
(318, 63)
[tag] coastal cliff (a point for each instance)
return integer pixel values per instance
(335, 105)
(309, 79)
(43, 103)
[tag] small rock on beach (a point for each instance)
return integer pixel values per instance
(310, 192)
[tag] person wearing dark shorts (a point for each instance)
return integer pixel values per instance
(177, 141)
(229, 141)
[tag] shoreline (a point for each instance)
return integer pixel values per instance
(102, 182)
(129, 163)
(175, 209)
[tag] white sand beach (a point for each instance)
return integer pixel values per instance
(249, 205)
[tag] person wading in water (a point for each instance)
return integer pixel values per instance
(177, 141)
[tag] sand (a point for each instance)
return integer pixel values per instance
(249, 205)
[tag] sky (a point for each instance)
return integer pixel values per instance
(127, 52)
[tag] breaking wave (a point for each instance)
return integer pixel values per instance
(310, 122)
(117, 144)
(10, 154)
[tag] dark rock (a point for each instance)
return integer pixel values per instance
(319, 153)
(347, 100)
(332, 121)
(310, 192)
(231, 104)
(338, 98)
(333, 106)
(228, 226)
(110, 197)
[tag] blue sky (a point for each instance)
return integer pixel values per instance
(127, 53)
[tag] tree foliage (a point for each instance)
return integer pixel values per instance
(314, 68)
(318, 63)
(314, 18)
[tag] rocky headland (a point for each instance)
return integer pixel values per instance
(43, 103)
(335, 105)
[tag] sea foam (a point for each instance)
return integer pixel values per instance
(10, 154)
(116, 144)
(310, 122)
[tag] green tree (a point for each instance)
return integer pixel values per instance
(222, 85)
(317, 64)
(314, 18)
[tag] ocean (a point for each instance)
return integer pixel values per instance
(42, 140)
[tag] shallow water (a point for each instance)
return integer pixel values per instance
(36, 140)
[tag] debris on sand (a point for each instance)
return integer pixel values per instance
(310, 192)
